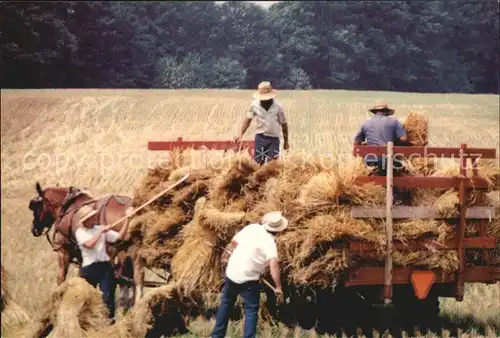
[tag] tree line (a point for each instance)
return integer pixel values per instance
(416, 46)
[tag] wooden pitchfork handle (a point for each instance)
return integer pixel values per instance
(150, 201)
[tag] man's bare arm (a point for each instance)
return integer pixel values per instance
(284, 128)
(243, 129)
(275, 272)
(123, 231)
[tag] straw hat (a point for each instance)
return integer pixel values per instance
(382, 106)
(274, 221)
(264, 91)
(84, 213)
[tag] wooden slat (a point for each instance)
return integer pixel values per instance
(388, 224)
(441, 152)
(424, 182)
(462, 196)
(375, 275)
(421, 244)
(153, 284)
(403, 212)
(196, 145)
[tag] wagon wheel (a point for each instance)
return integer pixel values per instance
(304, 303)
(285, 311)
(329, 313)
(416, 313)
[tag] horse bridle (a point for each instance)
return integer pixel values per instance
(52, 207)
(39, 210)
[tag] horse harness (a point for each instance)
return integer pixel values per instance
(63, 235)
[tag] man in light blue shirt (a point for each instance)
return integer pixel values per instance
(378, 131)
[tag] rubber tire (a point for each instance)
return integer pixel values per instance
(306, 310)
(415, 313)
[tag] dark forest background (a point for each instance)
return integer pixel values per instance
(417, 46)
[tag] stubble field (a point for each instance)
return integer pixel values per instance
(98, 139)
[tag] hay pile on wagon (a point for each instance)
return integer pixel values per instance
(188, 229)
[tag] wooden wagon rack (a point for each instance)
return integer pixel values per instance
(421, 279)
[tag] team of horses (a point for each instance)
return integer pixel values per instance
(55, 208)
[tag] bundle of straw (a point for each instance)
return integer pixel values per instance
(76, 309)
(228, 186)
(160, 312)
(416, 126)
(13, 315)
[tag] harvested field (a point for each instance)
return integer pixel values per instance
(97, 139)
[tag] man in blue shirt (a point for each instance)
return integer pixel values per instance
(378, 131)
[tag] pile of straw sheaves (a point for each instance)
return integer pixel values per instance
(13, 315)
(188, 229)
(77, 309)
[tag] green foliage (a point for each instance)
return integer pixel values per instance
(185, 74)
(194, 72)
(430, 46)
(296, 78)
(226, 73)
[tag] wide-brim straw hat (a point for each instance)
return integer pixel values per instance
(264, 91)
(274, 221)
(381, 106)
(84, 213)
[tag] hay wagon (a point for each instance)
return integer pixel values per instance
(417, 290)
(412, 290)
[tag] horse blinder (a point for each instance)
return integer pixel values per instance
(35, 203)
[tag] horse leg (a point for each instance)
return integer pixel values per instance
(138, 278)
(125, 270)
(129, 287)
(63, 259)
(118, 270)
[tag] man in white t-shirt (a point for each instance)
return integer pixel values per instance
(96, 266)
(254, 249)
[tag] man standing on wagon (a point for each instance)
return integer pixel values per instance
(96, 266)
(271, 122)
(378, 131)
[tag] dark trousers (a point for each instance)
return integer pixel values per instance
(380, 165)
(250, 292)
(381, 170)
(102, 273)
(267, 148)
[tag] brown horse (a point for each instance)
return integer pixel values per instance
(55, 207)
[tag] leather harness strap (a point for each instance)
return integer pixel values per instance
(69, 240)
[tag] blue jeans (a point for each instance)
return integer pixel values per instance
(102, 273)
(250, 292)
(267, 148)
